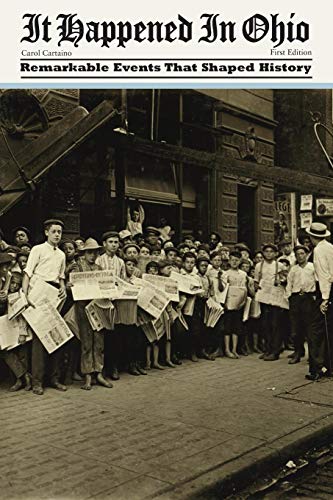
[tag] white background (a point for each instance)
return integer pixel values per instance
(318, 15)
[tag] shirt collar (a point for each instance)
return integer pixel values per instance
(51, 246)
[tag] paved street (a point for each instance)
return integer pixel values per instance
(165, 435)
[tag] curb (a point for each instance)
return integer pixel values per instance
(236, 474)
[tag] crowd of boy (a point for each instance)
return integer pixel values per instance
(289, 288)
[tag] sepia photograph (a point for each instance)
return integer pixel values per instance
(166, 299)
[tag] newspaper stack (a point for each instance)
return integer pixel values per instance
(17, 303)
(107, 312)
(213, 312)
(100, 317)
(154, 330)
(11, 330)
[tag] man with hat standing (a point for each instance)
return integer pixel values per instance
(323, 264)
(48, 263)
(92, 342)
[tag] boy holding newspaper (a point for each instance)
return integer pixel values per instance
(47, 262)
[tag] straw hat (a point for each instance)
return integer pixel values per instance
(318, 230)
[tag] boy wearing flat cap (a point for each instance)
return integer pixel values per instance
(111, 262)
(47, 262)
(301, 292)
(152, 235)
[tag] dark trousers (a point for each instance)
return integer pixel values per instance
(134, 342)
(17, 360)
(40, 359)
(197, 325)
(328, 336)
(72, 359)
(271, 325)
(113, 348)
(302, 309)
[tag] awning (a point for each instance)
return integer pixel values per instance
(293, 179)
(16, 179)
(151, 181)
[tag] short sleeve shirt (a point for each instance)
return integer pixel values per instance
(47, 262)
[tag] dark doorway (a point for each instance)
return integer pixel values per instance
(246, 215)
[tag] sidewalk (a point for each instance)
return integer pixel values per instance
(193, 431)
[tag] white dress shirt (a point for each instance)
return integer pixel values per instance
(301, 279)
(323, 264)
(47, 262)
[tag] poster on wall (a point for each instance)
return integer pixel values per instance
(306, 202)
(324, 207)
(306, 219)
(285, 224)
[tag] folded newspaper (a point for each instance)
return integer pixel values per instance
(39, 289)
(93, 285)
(152, 300)
(236, 298)
(11, 330)
(213, 312)
(17, 303)
(188, 284)
(272, 295)
(48, 325)
(168, 285)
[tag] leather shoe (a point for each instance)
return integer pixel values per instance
(114, 374)
(271, 357)
(141, 370)
(176, 361)
(294, 360)
(292, 355)
(133, 371)
(58, 386)
(262, 355)
(312, 376)
(38, 389)
(17, 386)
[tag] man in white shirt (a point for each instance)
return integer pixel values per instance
(47, 262)
(323, 264)
(301, 292)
